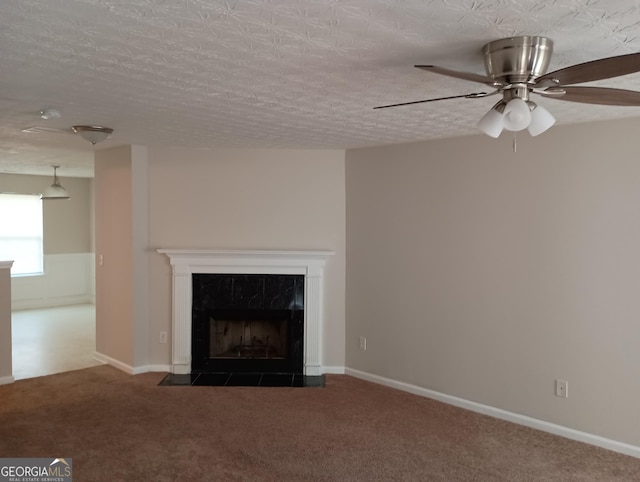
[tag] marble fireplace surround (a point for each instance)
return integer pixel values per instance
(185, 262)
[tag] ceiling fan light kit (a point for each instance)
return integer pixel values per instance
(93, 134)
(516, 115)
(516, 68)
(55, 191)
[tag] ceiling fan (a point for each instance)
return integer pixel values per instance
(516, 68)
(92, 134)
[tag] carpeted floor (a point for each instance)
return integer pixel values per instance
(119, 427)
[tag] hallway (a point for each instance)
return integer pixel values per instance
(53, 340)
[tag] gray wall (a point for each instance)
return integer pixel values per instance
(487, 274)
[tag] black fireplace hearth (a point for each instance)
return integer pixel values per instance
(243, 380)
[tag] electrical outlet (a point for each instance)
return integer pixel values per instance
(363, 343)
(163, 337)
(562, 388)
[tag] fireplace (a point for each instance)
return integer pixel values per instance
(295, 313)
(247, 323)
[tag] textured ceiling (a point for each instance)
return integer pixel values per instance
(272, 73)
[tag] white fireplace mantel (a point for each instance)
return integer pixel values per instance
(186, 262)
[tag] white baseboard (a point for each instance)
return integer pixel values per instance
(114, 363)
(102, 358)
(155, 368)
(333, 370)
(6, 380)
(566, 432)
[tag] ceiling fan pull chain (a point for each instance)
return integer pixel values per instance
(515, 142)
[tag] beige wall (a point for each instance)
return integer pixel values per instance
(67, 224)
(247, 199)
(114, 291)
(141, 254)
(487, 274)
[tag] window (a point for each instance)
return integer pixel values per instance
(21, 233)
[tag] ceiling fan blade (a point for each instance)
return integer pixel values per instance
(473, 95)
(483, 79)
(590, 71)
(594, 95)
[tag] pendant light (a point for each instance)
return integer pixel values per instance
(55, 191)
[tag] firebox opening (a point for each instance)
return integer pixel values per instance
(233, 339)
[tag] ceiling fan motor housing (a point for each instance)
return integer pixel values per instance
(517, 60)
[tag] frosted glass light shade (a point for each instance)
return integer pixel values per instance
(491, 123)
(541, 120)
(93, 134)
(517, 115)
(55, 191)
